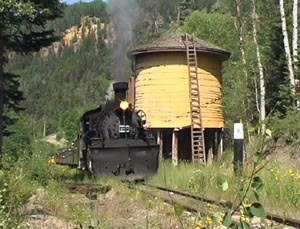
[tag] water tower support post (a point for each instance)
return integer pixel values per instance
(175, 147)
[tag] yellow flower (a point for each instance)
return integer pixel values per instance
(198, 226)
(208, 220)
(245, 219)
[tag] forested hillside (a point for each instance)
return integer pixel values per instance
(70, 76)
(63, 80)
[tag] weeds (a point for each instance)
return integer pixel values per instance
(262, 185)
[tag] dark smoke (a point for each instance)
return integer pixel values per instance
(125, 16)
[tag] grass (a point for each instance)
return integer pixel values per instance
(281, 192)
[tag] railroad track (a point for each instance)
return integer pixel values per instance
(192, 204)
(90, 190)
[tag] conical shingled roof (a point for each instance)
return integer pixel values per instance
(173, 42)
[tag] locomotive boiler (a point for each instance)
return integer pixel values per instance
(113, 141)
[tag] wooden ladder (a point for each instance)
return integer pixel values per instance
(197, 130)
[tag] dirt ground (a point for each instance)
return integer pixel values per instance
(115, 210)
(283, 153)
(52, 140)
(110, 210)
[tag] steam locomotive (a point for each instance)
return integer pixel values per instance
(113, 141)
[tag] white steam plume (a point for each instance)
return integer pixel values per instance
(125, 16)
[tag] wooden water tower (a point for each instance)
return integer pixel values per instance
(176, 81)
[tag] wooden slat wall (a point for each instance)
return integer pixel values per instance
(162, 89)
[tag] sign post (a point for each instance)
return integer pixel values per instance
(238, 147)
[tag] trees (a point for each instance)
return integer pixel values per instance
(262, 103)
(22, 29)
(287, 49)
(77, 75)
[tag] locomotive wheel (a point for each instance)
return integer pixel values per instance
(89, 164)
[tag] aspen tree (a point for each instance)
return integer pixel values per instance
(239, 28)
(287, 50)
(262, 110)
(295, 45)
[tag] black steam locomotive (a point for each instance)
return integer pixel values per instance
(113, 141)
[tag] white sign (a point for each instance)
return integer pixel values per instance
(238, 131)
(124, 129)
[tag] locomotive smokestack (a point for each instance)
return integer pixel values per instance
(120, 89)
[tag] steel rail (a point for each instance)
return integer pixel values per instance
(89, 189)
(288, 221)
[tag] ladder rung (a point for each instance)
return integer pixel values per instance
(193, 70)
(198, 137)
(197, 143)
(195, 114)
(197, 132)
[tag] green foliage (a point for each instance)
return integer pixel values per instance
(15, 189)
(168, 9)
(58, 84)
(38, 169)
(71, 120)
(225, 186)
(12, 94)
(215, 28)
(25, 32)
(256, 209)
(22, 30)
(19, 141)
(287, 127)
(12, 98)
(257, 186)
(73, 14)
(282, 187)
(227, 220)
(244, 193)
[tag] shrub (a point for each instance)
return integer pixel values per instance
(289, 127)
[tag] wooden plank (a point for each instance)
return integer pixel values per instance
(220, 143)
(175, 147)
(160, 143)
(162, 90)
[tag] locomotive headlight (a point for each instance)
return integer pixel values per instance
(124, 105)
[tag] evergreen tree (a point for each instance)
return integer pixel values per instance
(12, 98)
(22, 29)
